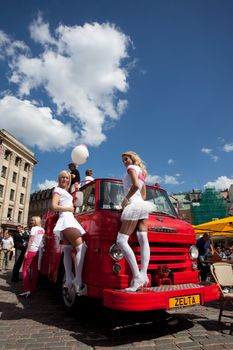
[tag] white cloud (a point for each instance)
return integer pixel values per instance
(221, 139)
(228, 147)
(35, 125)
(46, 185)
(214, 158)
(166, 179)
(82, 69)
(171, 162)
(152, 179)
(40, 32)
(171, 180)
(9, 47)
(221, 183)
(206, 150)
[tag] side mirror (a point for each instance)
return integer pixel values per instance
(78, 201)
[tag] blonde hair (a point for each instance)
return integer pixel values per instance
(64, 172)
(136, 160)
(37, 220)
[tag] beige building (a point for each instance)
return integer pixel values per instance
(16, 167)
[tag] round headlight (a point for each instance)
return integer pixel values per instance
(193, 252)
(115, 252)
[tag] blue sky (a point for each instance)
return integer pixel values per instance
(153, 76)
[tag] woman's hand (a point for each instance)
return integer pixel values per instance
(124, 203)
(71, 209)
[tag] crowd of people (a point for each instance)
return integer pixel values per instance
(209, 253)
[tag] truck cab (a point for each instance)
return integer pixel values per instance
(172, 272)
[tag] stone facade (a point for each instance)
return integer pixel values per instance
(16, 167)
(40, 202)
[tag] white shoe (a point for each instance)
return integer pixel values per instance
(25, 294)
(135, 284)
(67, 286)
(145, 279)
(80, 289)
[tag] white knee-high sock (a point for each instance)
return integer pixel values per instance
(79, 260)
(144, 251)
(122, 241)
(67, 259)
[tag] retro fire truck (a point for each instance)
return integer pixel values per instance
(173, 274)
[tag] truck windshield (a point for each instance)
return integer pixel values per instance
(112, 193)
(161, 200)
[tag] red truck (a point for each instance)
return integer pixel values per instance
(173, 273)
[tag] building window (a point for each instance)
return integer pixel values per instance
(17, 161)
(20, 216)
(9, 214)
(1, 191)
(26, 166)
(12, 195)
(21, 198)
(7, 154)
(23, 181)
(4, 171)
(14, 177)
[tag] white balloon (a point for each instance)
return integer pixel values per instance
(79, 154)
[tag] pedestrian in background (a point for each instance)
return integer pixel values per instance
(204, 247)
(20, 239)
(75, 178)
(30, 263)
(88, 176)
(6, 245)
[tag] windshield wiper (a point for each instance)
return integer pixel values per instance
(164, 213)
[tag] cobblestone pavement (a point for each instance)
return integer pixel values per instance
(41, 323)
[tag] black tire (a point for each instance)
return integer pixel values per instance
(70, 301)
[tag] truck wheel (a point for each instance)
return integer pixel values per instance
(68, 295)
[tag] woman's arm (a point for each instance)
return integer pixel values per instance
(134, 187)
(30, 241)
(55, 204)
(12, 243)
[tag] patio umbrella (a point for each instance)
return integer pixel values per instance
(221, 227)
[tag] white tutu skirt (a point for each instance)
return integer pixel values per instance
(137, 210)
(66, 220)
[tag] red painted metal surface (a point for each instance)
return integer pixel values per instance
(156, 298)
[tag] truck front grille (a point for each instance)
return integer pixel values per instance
(173, 255)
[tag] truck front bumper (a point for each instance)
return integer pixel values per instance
(163, 297)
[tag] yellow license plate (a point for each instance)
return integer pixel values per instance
(186, 300)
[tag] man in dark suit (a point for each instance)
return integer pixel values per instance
(20, 243)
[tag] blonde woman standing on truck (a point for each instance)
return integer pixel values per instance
(135, 216)
(70, 231)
